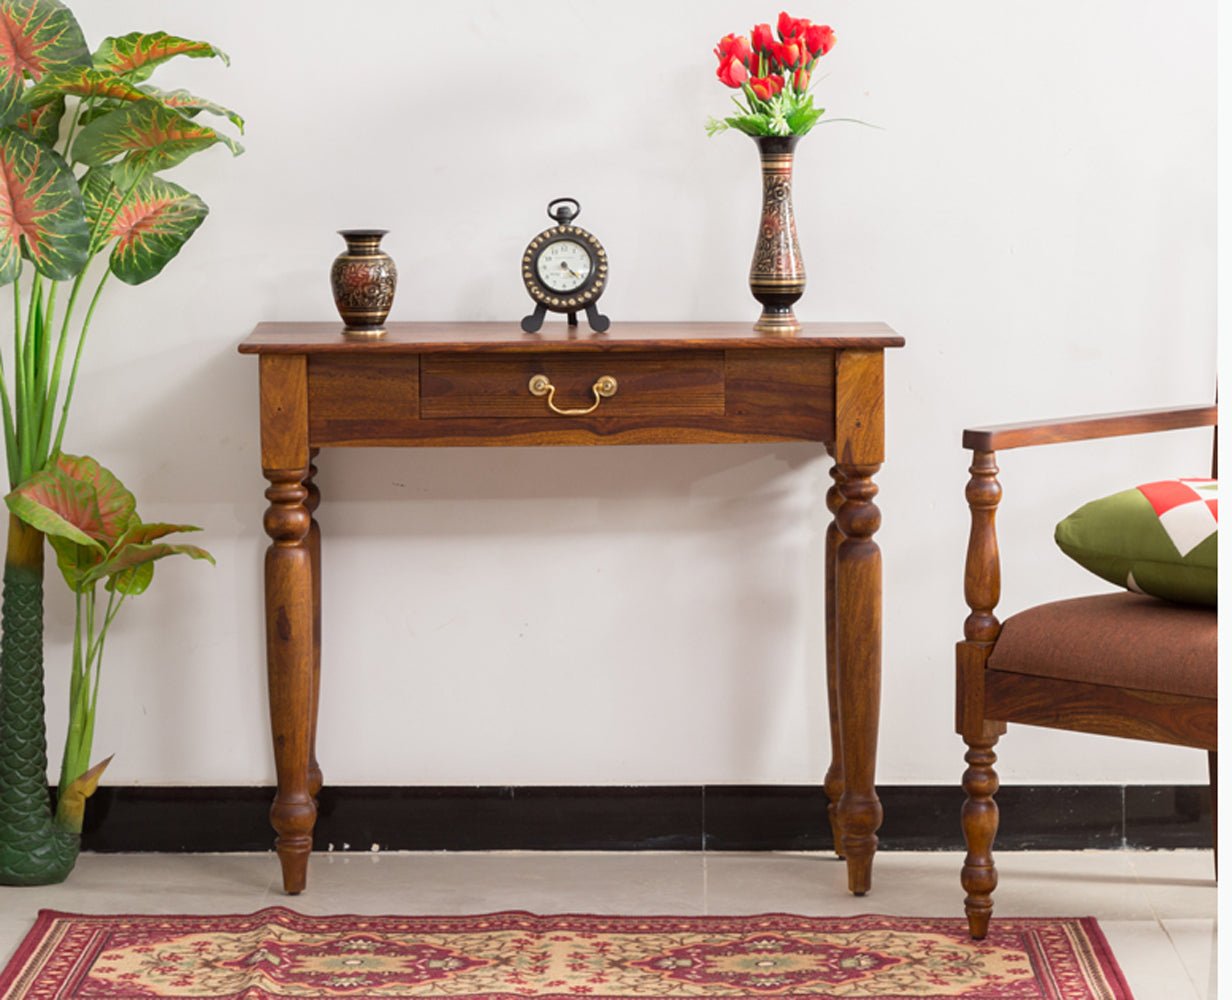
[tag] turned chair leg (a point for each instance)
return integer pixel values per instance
(979, 822)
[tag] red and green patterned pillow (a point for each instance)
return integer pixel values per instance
(1159, 539)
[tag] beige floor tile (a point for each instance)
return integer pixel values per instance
(481, 882)
(1070, 883)
(904, 883)
(1151, 965)
(1195, 941)
(1176, 883)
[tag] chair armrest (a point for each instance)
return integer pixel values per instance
(982, 587)
(1087, 428)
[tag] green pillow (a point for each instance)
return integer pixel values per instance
(1158, 539)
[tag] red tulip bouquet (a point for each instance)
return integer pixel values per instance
(774, 76)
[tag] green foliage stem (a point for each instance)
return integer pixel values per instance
(88, 644)
(72, 378)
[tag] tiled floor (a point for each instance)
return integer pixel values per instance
(1157, 908)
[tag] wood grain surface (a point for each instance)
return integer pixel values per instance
(661, 385)
(1102, 709)
(500, 338)
(1005, 436)
(666, 396)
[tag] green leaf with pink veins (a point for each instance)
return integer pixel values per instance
(41, 214)
(149, 137)
(42, 123)
(37, 37)
(149, 227)
(117, 506)
(82, 81)
(190, 104)
(137, 54)
(60, 507)
(82, 509)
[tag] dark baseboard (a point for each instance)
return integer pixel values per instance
(652, 818)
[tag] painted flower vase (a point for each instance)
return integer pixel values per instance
(363, 279)
(777, 276)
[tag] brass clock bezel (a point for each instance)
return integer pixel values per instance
(586, 293)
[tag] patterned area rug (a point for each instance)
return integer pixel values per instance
(277, 953)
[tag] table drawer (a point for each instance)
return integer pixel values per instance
(647, 385)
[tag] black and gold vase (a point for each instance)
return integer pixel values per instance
(777, 275)
(363, 279)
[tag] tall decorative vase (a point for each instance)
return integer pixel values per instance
(777, 275)
(363, 279)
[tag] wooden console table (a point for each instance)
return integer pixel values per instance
(441, 384)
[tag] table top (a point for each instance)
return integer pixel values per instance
(463, 338)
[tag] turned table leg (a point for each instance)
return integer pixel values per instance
(834, 774)
(313, 541)
(290, 631)
(858, 647)
(289, 641)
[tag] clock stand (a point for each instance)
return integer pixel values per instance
(598, 322)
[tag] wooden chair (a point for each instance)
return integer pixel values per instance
(1116, 664)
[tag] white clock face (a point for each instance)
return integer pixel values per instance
(564, 266)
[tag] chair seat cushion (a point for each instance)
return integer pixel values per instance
(1124, 640)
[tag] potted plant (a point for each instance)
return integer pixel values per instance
(92, 523)
(84, 138)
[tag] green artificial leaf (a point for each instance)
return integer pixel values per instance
(60, 507)
(803, 119)
(96, 109)
(149, 136)
(71, 807)
(191, 105)
(801, 115)
(42, 124)
(137, 579)
(136, 55)
(75, 561)
(83, 510)
(117, 507)
(129, 556)
(149, 228)
(140, 533)
(133, 581)
(82, 81)
(37, 37)
(750, 124)
(42, 214)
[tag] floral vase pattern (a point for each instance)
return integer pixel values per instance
(364, 279)
(777, 276)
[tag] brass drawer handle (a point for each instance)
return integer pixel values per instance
(604, 388)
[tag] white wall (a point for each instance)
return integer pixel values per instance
(1035, 214)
